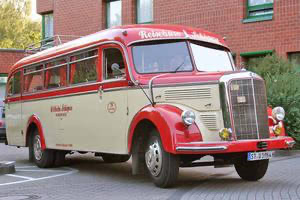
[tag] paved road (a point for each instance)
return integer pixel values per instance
(87, 177)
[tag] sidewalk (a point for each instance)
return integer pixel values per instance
(280, 153)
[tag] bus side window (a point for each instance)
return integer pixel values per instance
(33, 81)
(113, 64)
(14, 84)
(84, 67)
(56, 76)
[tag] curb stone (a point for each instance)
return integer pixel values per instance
(7, 168)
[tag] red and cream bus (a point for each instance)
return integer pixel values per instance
(165, 95)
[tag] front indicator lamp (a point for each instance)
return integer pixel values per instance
(278, 113)
(277, 129)
(225, 133)
(188, 117)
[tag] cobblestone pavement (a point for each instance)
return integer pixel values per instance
(87, 177)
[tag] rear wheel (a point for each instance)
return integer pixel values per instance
(42, 158)
(251, 170)
(162, 166)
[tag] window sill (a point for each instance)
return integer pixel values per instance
(258, 19)
(145, 22)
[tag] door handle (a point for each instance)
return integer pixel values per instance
(100, 92)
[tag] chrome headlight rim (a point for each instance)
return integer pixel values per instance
(188, 117)
(278, 113)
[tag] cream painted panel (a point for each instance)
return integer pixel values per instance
(13, 115)
(49, 120)
(87, 126)
(199, 97)
(137, 100)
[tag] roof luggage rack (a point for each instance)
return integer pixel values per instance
(49, 42)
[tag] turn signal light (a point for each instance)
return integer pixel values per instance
(277, 129)
(225, 133)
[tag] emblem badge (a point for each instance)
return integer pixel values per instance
(111, 107)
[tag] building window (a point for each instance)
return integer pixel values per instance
(114, 13)
(295, 59)
(258, 10)
(47, 26)
(144, 11)
(253, 58)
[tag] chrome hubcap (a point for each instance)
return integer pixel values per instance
(37, 148)
(153, 157)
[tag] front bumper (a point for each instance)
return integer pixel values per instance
(234, 146)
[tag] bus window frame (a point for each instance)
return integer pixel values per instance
(126, 66)
(11, 78)
(98, 69)
(33, 72)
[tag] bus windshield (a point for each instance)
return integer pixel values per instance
(210, 59)
(175, 57)
(163, 57)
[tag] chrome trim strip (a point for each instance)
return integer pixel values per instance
(217, 148)
(290, 143)
(255, 111)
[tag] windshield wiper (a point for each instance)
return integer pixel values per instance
(179, 66)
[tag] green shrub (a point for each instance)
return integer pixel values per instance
(283, 89)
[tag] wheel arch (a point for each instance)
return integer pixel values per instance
(145, 121)
(166, 119)
(33, 124)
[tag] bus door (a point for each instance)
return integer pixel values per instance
(112, 94)
(13, 110)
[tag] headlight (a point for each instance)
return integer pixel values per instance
(278, 113)
(188, 117)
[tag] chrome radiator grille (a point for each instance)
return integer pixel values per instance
(249, 109)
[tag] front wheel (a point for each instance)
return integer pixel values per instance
(251, 170)
(162, 166)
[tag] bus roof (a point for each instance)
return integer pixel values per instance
(127, 35)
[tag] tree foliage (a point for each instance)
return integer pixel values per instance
(283, 89)
(17, 30)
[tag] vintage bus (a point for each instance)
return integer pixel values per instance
(164, 95)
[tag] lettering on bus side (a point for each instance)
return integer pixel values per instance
(61, 110)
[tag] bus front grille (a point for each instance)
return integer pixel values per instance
(249, 109)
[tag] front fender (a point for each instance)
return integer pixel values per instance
(168, 122)
(36, 121)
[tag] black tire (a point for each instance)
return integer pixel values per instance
(112, 158)
(42, 158)
(251, 170)
(164, 168)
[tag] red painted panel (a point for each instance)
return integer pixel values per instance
(167, 120)
(34, 119)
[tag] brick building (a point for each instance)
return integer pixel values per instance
(8, 57)
(252, 28)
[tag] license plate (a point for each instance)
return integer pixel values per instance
(259, 155)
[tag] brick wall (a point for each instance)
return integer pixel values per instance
(44, 6)
(223, 17)
(79, 18)
(8, 57)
